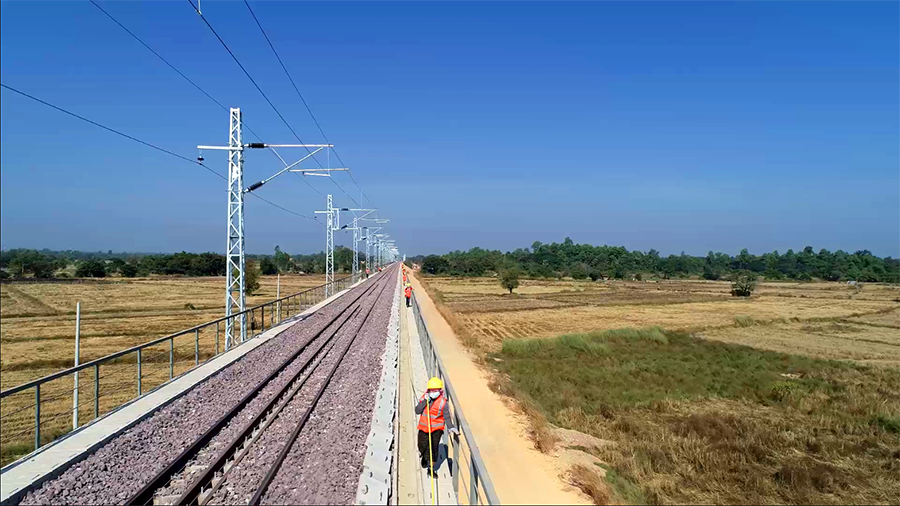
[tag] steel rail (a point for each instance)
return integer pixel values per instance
(273, 470)
(239, 446)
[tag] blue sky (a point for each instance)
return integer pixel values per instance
(676, 126)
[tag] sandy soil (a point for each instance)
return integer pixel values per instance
(520, 473)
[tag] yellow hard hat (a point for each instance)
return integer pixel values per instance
(435, 383)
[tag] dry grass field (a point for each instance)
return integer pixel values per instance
(37, 336)
(868, 316)
(691, 395)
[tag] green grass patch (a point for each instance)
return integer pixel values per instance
(624, 488)
(698, 421)
(887, 423)
(635, 367)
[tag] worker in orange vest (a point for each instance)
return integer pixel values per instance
(408, 292)
(434, 417)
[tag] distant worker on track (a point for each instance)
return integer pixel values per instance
(434, 416)
(408, 292)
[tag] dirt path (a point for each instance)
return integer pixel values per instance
(520, 473)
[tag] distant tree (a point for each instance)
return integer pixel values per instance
(595, 274)
(91, 269)
(251, 277)
(268, 267)
(578, 271)
(3, 274)
(509, 279)
(282, 260)
(710, 273)
(434, 264)
(30, 262)
(638, 276)
(743, 284)
(129, 270)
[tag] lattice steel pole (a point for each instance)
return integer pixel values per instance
(235, 260)
(235, 297)
(355, 270)
(329, 246)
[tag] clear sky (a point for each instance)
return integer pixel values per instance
(676, 126)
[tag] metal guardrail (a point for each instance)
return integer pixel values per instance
(479, 480)
(257, 318)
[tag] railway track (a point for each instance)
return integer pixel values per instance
(236, 458)
(332, 342)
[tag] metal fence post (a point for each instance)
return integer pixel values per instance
(456, 459)
(77, 361)
(139, 370)
(37, 416)
(172, 358)
(197, 347)
(96, 391)
(262, 318)
(217, 338)
(473, 476)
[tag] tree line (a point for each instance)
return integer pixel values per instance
(49, 264)
(582, 261)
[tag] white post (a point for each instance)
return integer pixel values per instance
(77, 362)
(278, 296)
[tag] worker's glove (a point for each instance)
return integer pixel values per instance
(454, 431)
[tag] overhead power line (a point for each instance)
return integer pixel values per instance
(195, 85)
(145, 143)
(305, 104)
(135, 139)
(261, 92)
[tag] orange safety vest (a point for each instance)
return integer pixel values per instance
(436, 414)
(408, 292)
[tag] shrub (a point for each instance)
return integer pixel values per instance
(743, 320)
(743, 284)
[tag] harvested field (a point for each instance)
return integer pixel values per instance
(545, 308)
(38, 320)
(37, 338)
(864, 344)
(788, 396)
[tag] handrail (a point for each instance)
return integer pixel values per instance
(106, 358)
(435, 366)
